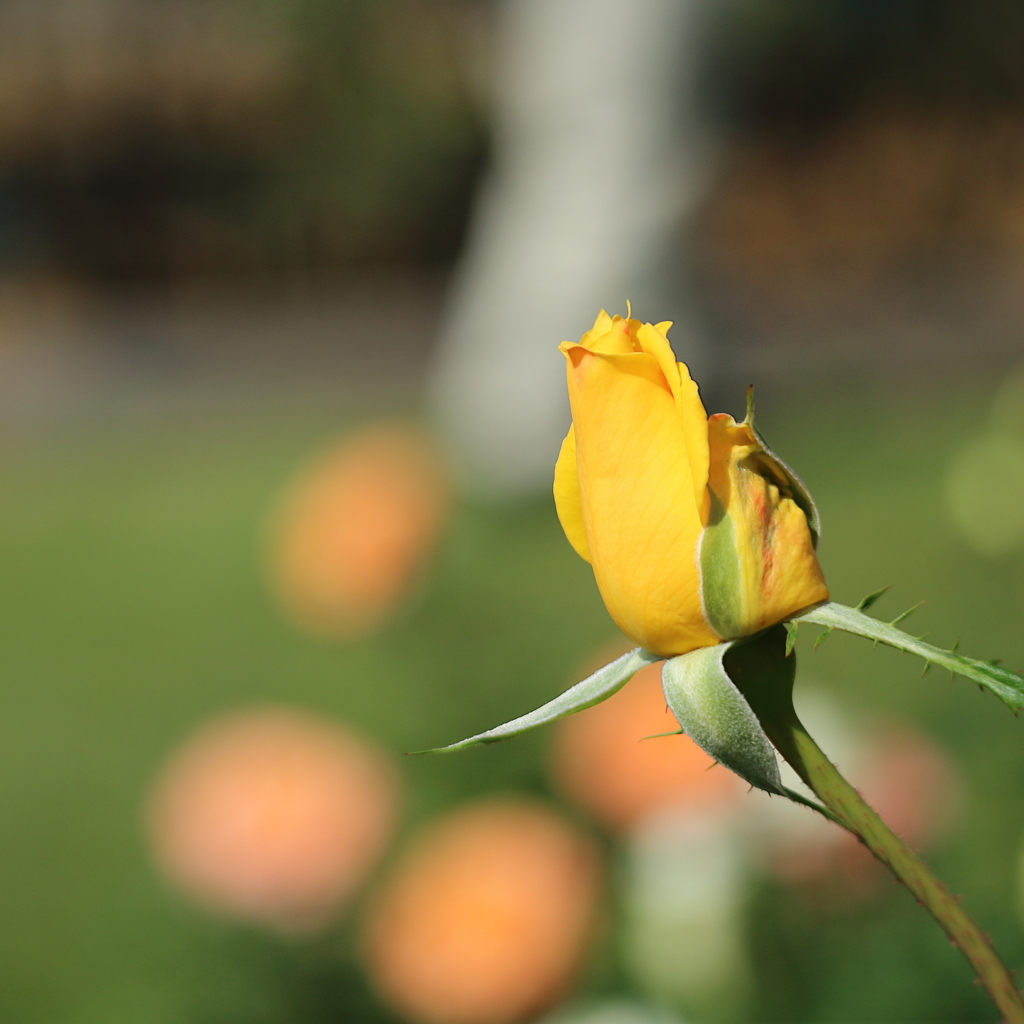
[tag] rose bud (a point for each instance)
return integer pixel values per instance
(696, 532)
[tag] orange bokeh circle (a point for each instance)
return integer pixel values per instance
(487, 917)
(273, 816)
(603, 759)
(356, 528)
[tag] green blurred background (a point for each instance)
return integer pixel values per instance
(207, 280)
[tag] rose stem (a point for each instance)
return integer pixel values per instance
(764, 670)
(806, 757)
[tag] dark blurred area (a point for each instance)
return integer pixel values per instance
(240, 578)
(170, 140)
(876, 157)
(167, 166)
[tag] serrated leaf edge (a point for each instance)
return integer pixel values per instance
(1006, 684)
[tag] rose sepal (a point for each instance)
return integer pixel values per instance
(711, 710)
(796, 487)
(590, 691)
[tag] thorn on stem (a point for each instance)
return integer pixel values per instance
(907, 613)
(868, 601)
(792, 629)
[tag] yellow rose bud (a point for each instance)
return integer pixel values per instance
(695, 531)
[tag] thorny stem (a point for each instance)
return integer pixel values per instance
(850, 808)
(764, 673)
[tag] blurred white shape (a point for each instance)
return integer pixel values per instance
(612, 1011)
(685, 892)
(689, 872)
(597, 156)
(984, 491)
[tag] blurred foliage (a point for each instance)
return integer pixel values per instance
(806, 63)
(134, 607)
(875, 149)
(390, 139)
(188, 137)
(182, 137)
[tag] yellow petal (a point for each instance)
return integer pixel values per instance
(567, 497)
(602, 325)
(694, 422)
(640, 514)
(610, 334)
(757, 557)
(693, 418)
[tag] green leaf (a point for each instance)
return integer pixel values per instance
(717, 717)
(592, 690)
(1006, 684)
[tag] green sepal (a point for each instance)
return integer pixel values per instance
(717, 717)
(592, 690)
(1006, 684)
(783, 477)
